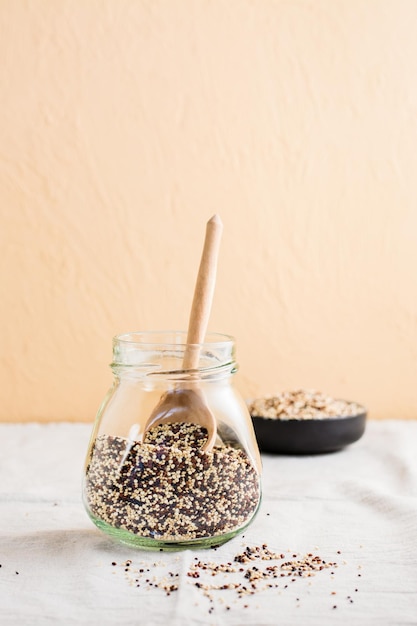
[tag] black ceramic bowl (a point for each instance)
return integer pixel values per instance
(307, 436)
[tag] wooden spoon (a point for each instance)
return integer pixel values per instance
(187, 404)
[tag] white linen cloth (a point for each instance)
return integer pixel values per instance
(361, 502)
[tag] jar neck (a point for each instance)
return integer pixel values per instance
(160, 354)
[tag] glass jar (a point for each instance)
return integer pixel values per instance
(160, 488)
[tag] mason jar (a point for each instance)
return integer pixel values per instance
(160, 485)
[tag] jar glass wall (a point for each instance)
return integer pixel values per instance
(159, 488)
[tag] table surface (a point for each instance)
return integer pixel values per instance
(356, 509)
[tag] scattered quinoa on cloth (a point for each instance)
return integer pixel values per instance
(227, 585)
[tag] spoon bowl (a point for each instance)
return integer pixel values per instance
(184, 405)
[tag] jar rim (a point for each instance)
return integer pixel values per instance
(168, 338)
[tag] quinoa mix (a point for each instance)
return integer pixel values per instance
(235, 583)
(167, 488)
(302, 404)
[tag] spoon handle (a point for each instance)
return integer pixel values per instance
(203, 293)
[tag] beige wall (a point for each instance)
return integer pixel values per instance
(125, 124)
